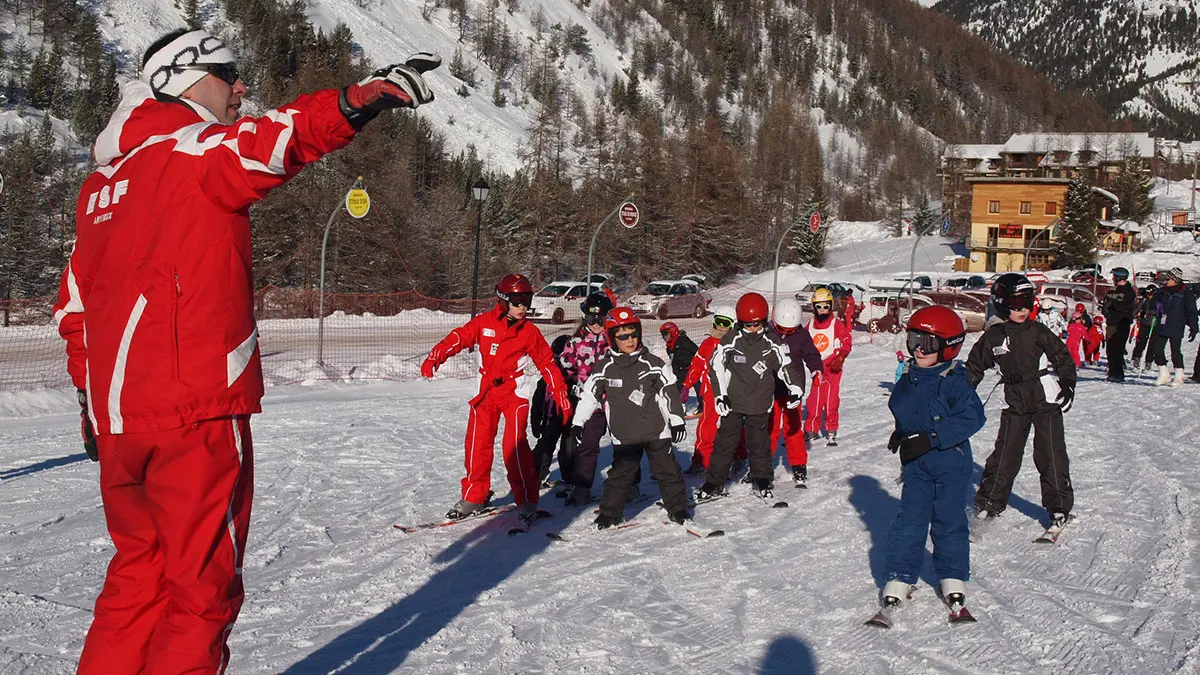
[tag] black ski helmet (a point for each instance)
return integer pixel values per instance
(1012, 291)
(596, 304)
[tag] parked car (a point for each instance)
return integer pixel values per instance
(970, 309)
(965, 282)
(559, 302)
(881, 310)
(1146, 276)
(1065, 296)
(901, 284)
(669, 297)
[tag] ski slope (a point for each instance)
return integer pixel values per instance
(332, 587)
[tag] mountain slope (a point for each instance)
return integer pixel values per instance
(1138, 58)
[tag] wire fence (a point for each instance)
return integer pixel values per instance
(365, 337)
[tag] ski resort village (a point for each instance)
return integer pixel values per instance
(771, 337)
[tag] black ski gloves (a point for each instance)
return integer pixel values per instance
(894, 440)
(577, 433)
(913, 446)
(399, 85)
(722, 406)
(86, 430)
(1191, 335)
(678, 433)
(1066, 395)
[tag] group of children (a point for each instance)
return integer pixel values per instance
(752, 386)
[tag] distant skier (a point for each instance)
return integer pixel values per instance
(1077, 330)
(582, 451)
(644, 415)
(1176, 310)
(742, 373)
(1094, 341)
(1039, 386)
(697, 375)
(1117, 309)
(1053, 319)
(831, 335)
(546, 422)
(510, 348)
(682, 350)
(1146, 318)
(785, 420)
(900, 367)
(936, 411)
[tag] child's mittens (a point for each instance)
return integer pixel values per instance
(722, 406)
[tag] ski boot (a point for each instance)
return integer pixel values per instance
(954, 594)
(578, 495)
(463, 509)
(708, 492)
(1178, 377)
(1164, 376)
(832, 442)
(680, 517)
(603, 521)
(800, 476)
(894, 591)
(810, 436)
(763, 488)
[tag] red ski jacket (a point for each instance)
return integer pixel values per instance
(157, 303)
(698, 370)
(505, 354)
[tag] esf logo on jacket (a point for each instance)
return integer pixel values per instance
(109, 195)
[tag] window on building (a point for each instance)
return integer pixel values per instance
(1051, 208)
(994, 206)
(1026, 208)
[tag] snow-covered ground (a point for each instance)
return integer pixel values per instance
(332, 587)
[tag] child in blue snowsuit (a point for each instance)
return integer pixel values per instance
(936, 411)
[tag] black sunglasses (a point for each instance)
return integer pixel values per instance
(226, 72)
(753, 324)
(625, 336)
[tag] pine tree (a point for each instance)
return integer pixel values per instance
(810, 246)
(1075, 245)
(1133, 188)
(925, 219)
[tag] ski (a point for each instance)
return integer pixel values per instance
(769, 501)
(882, 618)
(486, 512)
(1052, 533)
(526, 524)
(960, 615)
(556, 536)
(691, 529)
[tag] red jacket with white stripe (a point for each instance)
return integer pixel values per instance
(510, 356)
(157, 301)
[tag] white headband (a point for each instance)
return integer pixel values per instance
(166, 71)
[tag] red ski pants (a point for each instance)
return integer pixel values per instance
(825, 397)
(791, 424)
(482, 426)
(177, 504)
(706, 433)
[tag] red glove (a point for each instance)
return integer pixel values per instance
(564, 404)
(834, 364)
(429, 367)
(816, 380)
(396, 86)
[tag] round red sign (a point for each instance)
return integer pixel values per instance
(629, 214)
(814, 221)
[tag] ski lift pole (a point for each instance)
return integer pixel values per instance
(321, 292)
(592, 247)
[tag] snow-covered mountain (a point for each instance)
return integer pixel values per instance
(1138, 58)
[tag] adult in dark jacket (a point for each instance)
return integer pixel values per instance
(682, 350)
(1176, 310)
(1117, 309)
(1039, 386)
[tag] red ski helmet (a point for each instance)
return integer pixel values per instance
(752, 307)
(618, 318)
(1079, 308)
(669, 329)
(514, 289)
(936, 329)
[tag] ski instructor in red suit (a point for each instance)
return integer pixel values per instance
(157, 308)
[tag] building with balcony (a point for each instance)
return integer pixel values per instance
(1012, 218)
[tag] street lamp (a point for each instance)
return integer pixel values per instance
(480, 193)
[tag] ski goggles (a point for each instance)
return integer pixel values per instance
(786, 330)
(722, 322)
(593, 319)
(823, 305)
(518, 299)
(753, 324)
(226, 72)
(929, 343)
(1018, 301)
(627, 335)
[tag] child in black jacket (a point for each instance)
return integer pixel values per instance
(545, 420)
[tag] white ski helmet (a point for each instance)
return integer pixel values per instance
(726, 311)
(787, 314)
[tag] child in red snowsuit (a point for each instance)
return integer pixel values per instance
(832, 339)
(706, 429)
(785, 421)
(1077, 330)
(1094, 341)
(510, 348)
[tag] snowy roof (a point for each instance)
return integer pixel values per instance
(985, 157)
(1121, 225)
(1109, 147)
